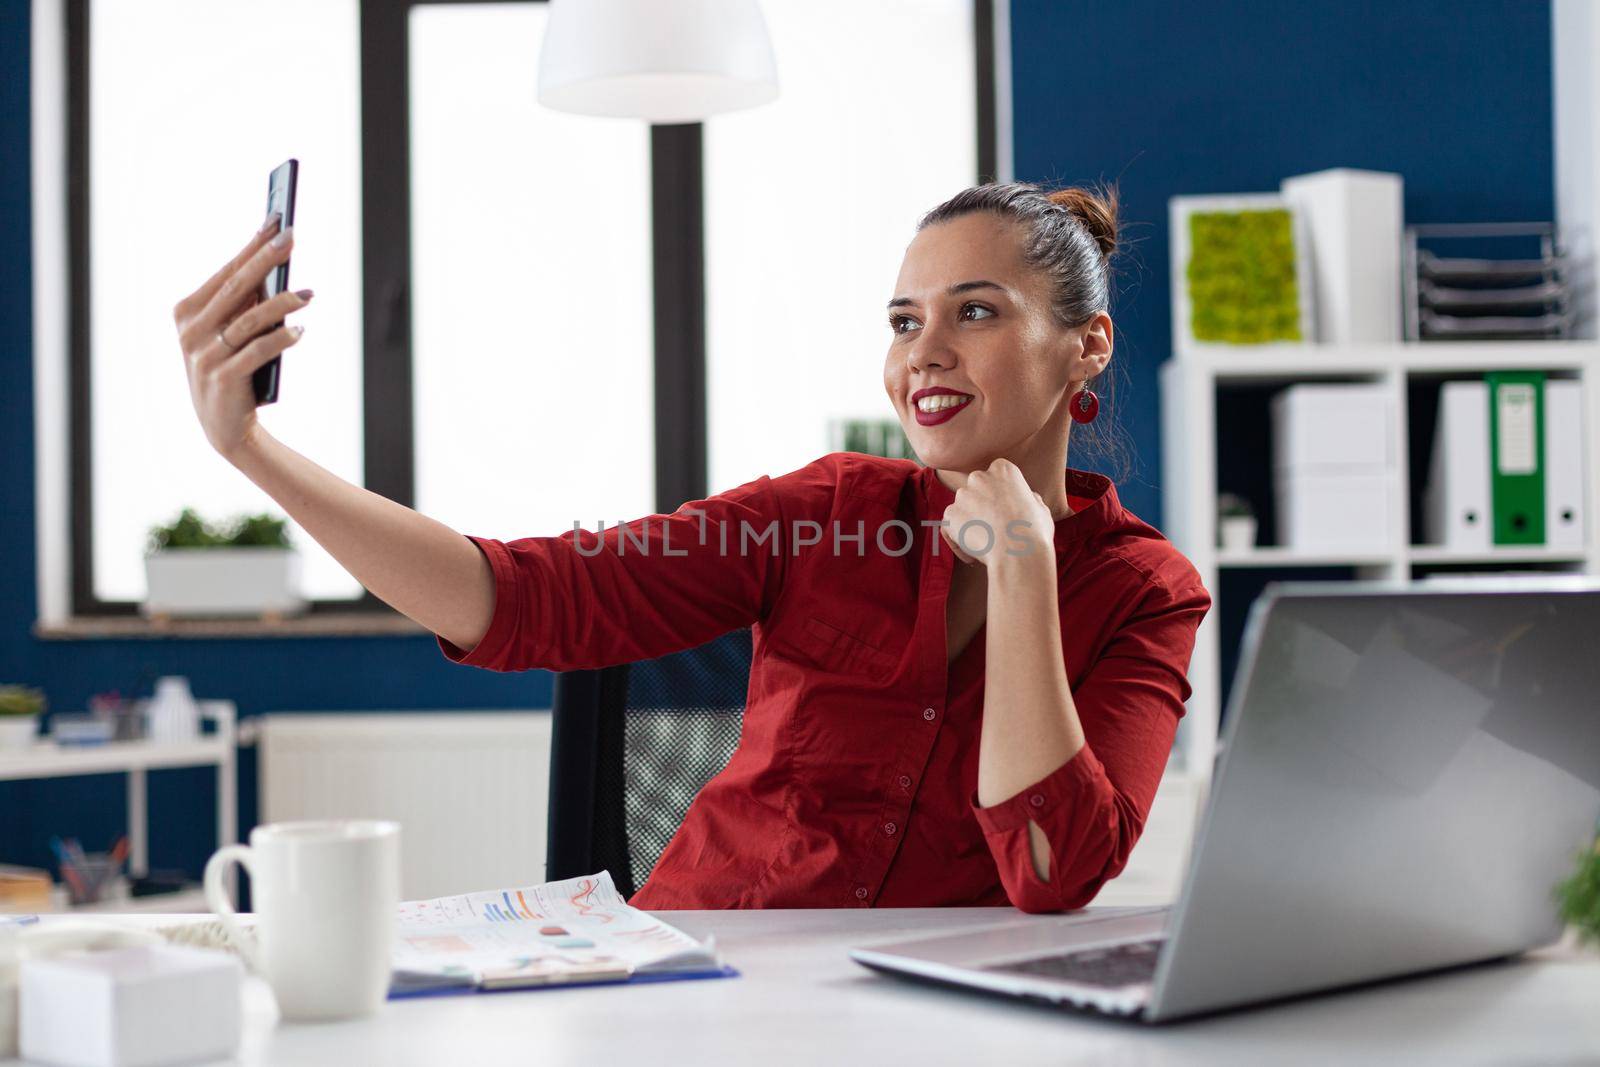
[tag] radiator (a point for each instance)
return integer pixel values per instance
(469, 789)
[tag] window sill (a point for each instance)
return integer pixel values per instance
(316, 624)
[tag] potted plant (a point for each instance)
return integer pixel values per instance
(1580, 895)
(872, 437)
(20, 708)
(1236, 523)
(243, 568)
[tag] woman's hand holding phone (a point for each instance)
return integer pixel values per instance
(420, 566)
(220, 329)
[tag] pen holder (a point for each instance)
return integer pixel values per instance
(98, 878)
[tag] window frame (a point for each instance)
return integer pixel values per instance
(679, 385)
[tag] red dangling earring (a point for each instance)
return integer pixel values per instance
(1085, 406)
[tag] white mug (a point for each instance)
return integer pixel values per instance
(325, 897)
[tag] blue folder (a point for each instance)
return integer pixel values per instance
(450, 987)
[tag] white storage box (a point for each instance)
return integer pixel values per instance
(1333, 428)
(1355, 220)
(133, 1007)
(223, 581)
(1334, 467)
(1336, 512)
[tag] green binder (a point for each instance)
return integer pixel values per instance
(1516, 457)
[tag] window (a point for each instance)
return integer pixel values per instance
(515, 307)
(530, 287)
(810, 203)
(176, 184)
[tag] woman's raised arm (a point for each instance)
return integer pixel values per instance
(417, 565)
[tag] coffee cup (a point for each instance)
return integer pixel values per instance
(325, 896)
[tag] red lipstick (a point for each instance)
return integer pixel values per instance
(934, 418)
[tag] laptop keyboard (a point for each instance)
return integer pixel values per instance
(1132, 963)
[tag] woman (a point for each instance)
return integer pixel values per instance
(967, 675)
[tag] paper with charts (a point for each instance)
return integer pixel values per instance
(559, 933)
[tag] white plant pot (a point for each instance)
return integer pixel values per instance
(1238, 532)
(18, 731)
(223, 581)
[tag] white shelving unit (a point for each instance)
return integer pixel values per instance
(1190, 383)
(136, 759)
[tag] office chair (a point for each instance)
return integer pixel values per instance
(630, 747)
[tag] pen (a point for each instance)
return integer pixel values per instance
(69, 872)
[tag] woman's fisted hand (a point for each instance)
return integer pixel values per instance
(220, 329)
(997, 514)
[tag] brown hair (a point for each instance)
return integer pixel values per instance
(1096, 210)
(1070, 234)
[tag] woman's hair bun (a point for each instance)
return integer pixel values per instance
(1096, 209)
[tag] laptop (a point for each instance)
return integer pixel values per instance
(1407, 771)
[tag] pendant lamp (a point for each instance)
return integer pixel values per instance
(665, 61)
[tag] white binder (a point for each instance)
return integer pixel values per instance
(1456, 504)
(1564, 461)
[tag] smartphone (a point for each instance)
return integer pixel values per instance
(280, 198)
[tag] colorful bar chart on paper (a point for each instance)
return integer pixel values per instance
(559, 933)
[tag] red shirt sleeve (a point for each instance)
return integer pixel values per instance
(1092, 808)
(645, 588)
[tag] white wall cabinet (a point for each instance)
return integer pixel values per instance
(1200, 377)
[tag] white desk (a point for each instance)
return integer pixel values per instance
(800, 1000)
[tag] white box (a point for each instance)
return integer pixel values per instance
(1335, 512)
(1333, 428)
(134, 1007)
(1354, 220)
(223, 581)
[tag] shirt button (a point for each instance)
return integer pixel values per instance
(928, 713)
(905, 781)
(1037, 800)
(861, 892)
(889, 828)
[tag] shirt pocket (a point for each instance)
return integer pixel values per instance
(833, 649)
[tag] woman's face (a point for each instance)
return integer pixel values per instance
(971, 325)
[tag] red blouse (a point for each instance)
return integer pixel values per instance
(854, 781)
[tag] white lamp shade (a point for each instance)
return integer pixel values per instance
(660, 60)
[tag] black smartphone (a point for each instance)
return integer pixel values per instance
(280, 198)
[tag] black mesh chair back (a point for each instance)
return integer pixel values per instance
(630, 748)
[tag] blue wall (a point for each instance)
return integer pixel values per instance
(1230, 96)
(1170, 98)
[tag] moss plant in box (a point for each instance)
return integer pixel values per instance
(1580, 895)
(246, 567)
(20, 708)
(1243, 286)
